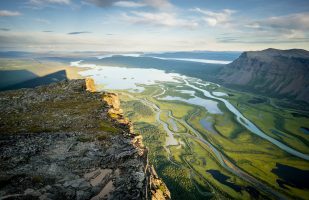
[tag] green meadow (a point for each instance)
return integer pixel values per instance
(220, 159)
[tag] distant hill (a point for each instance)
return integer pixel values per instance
(277, 73)
(211, 55)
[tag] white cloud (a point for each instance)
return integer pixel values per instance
(129, 4)
(298, 21)
(42, 2)
(159, 19)
(215, 18)
(254, 25)
(158, 3)
(293, 34)
(8, 13)
(102, 3)
(43, 21)
(288, 28)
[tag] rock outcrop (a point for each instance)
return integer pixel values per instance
(156, 188)
(277, 73)
(90, 86)
(65, 141)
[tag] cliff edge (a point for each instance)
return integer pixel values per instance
(66, 141)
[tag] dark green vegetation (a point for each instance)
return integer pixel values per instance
(192, 169)
(175, 176)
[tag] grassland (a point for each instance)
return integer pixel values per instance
(186, 167)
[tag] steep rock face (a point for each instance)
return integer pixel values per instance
(90, 86)
(156, 188)
(281, 73)
(63, 142)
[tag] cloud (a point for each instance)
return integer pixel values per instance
(268, 40)
(298, 21)
(159, 19)
(159, 4)
(5, 29)
(37, 41)
(8, 13)
(78, 32)
(43, 21)
(42, 2)
(129, 4)
(47, 31)
(292, 28)
(102, 3)
(215, 18)
(260, 35)
(254, 25)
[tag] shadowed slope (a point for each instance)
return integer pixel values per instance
(45, 80)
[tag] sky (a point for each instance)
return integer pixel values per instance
(153, 25)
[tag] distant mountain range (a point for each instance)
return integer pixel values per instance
(211, 55)
(271, 72)
(277, 73)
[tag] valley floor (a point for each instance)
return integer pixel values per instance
(201, 150)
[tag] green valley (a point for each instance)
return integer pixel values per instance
(210, 155)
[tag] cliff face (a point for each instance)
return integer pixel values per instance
(155, 187)
(282, 73)
(64, 141)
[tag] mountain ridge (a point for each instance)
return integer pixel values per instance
(271, 72)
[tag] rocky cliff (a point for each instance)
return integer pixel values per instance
(66, 141)
(279, 73)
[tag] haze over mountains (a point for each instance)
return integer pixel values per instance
(271, 72)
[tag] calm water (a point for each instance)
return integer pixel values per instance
(210, 105)
(120, 78)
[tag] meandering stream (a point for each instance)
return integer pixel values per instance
(130, 79)
(249, 125)
(223, 160)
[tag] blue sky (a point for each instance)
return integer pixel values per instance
(153, 25)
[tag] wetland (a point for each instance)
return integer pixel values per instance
(208, 141)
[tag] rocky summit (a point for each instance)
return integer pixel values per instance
(66, 141)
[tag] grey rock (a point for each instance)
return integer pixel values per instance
(84, 185)
(32, 192)
(74, 183)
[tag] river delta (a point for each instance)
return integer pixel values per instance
(207, 141)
